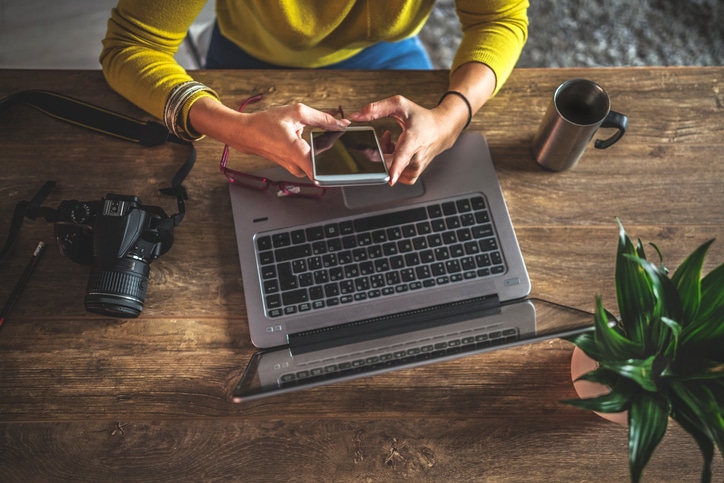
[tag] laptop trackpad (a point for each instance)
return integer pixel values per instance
(356, 197)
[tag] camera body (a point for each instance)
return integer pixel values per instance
(119, 237)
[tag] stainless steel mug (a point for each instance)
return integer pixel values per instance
(578, 108)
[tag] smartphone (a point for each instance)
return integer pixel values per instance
(349, 157)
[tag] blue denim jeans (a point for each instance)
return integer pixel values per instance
(405, 54)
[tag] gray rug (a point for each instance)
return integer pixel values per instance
(597, 33)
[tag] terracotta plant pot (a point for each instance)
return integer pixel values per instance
(581, 364)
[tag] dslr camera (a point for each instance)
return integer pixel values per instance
(119, 237)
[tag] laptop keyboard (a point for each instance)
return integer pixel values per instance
(372, 256)
(428, 351)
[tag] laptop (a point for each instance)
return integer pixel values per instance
(372, 278)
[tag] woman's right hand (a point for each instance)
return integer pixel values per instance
(275, 134)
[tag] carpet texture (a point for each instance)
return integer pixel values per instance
(594, 33)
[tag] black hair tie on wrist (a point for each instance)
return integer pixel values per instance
(465, 100)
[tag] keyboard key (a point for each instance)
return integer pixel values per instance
(271, 286)
(379, 236)
(331, 290)
(452, 222)
(349, 242)
(448, 208)
(435, 211)
(299, 266)
(344, 258)
(263, 243)
(366, 268)
(359, 254)
(482, 217)
(408, 231)
(298, 237)
(265, 258)
(287, 279)
(281, 240)
(478, 203)
(346, 286)
(394, 233)
(314, 233)
(377, 281)
(488, 244)
(334, 245)
(463, 206)
(321, 277)
(295, 297)
(390, 219)
(483, 231)
(438, 225)
(273, 301)
(268, 272)
(346, 228)
(331, 230)
(293, 252)
(314, 263)
(427, 256)
(336, 273)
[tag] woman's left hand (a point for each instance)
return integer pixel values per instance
(425, 133)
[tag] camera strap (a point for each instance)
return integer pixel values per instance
(99, 119)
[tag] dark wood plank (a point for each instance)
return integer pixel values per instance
(580, 447)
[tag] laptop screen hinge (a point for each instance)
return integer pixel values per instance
(394, 324)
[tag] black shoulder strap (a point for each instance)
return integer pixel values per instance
(89, 116)
(95, 118)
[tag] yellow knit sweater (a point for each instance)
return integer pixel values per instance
(143, 36)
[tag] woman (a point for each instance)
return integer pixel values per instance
(142, 38)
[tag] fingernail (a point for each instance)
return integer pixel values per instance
(343, 123)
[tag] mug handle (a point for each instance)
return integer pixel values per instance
(613, 119)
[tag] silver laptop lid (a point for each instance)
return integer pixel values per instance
(466, 170)
(485, 328)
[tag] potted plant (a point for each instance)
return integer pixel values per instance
(664, 355)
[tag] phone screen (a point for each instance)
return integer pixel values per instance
(353, 153)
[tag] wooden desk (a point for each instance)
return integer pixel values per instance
(99, 399)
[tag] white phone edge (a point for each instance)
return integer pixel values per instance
(330, 181)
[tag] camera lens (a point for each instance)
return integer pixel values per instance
(118, 288)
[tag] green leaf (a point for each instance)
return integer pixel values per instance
(675, 329)
(601, 376)
(633, 290)
(667, 303)
(708, 324)
(613, 402)
(610, 343)
(641, 371)
(697, 401)
(586, 342)
(687, 280)
(712, 291)
(689, 424)
(648, 418)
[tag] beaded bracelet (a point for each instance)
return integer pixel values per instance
(465, 100)
(175, 108)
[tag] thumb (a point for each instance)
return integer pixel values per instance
(314, 118)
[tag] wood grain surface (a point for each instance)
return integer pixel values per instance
(88, 398)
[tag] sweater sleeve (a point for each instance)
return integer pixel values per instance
(494, 32)
(138, 50)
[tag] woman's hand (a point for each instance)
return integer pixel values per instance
(425, 132)
(428, 132)
(275, 134)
